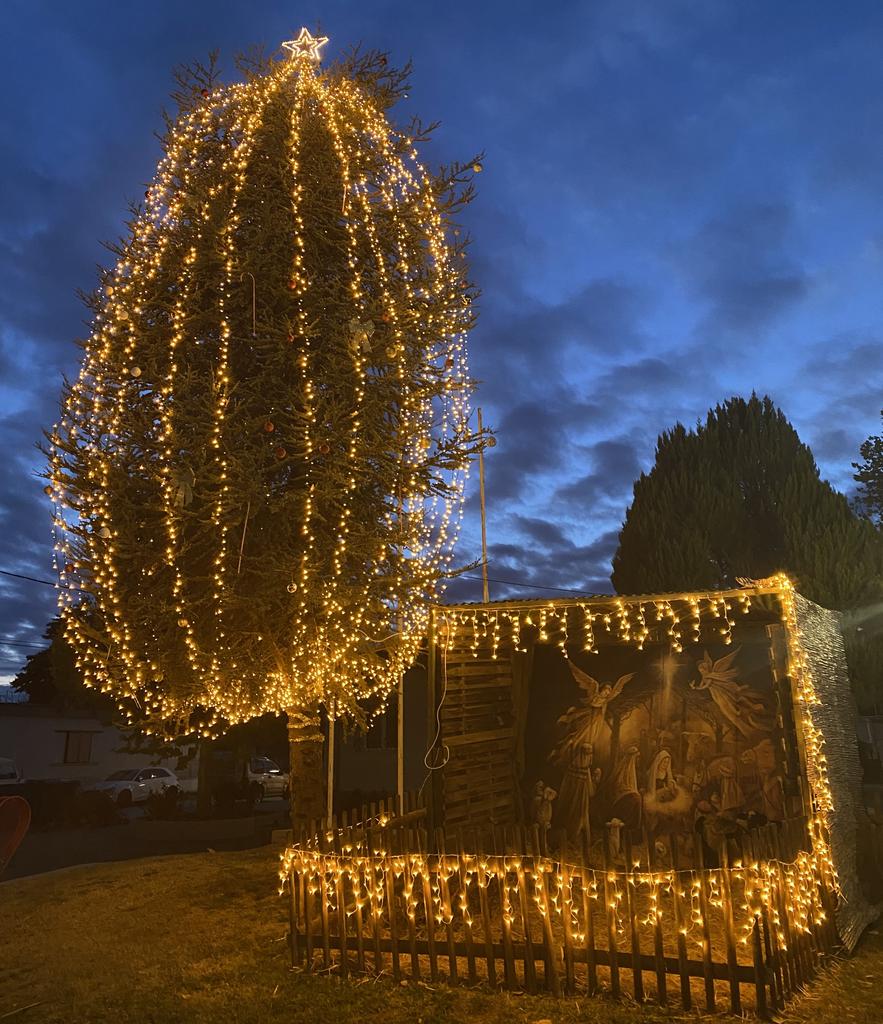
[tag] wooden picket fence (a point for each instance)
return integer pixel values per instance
(384, 896)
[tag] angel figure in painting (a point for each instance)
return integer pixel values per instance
(577, 789)
(586, 722)
(739, 704)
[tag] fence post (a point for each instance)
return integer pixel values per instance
(760, 972)
(589, 915)
(292, 913)
(530, 967)
(707, 969)
(507, 913)
(376, 899)
(730, 931)
(686, 994)
(566, 913)
(429, 907)
(447, 906)
(306, 901)
(340, 887)
(610, 906)
(631, 910)
(658, 938)
(464, 908)
(485, 911)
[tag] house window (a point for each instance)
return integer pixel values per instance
(77, 747)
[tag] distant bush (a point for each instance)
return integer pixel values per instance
(93, 808)
(162, 806)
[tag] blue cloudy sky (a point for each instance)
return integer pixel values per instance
(680, 202)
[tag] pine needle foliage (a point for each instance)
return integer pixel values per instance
(258, 473)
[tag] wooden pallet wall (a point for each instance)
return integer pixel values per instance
(478, 727)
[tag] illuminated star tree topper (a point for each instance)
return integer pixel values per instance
(306, 45)
(258, 474)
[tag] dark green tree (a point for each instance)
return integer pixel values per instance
(740, 496)
(51, 677)
(869, 474)
(864, 629)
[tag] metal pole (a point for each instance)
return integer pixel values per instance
(431, 802)
(484, 584)
(329, 804)
(400, 746)
(400, 710)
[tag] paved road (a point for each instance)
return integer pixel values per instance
(60, 848)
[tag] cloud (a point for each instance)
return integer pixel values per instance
(542, 343)
(615, 467)
(740, 266)
(534, 438)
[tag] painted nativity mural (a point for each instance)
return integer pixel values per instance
(698, 744)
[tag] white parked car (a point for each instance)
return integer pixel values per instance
(9, 773)
(132, 785)
(266, 778)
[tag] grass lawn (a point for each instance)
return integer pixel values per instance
(201, 937)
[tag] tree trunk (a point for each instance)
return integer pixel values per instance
(203, 780)
(307, 777)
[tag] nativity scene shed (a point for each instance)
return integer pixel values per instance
(675, 718)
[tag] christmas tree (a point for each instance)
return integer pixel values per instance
(258, 473)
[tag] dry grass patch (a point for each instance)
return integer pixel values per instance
(202, 938)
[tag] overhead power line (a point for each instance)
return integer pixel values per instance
(529, 586)
(20, 576)
(477, 579)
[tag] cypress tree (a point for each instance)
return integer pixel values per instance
(740, 496)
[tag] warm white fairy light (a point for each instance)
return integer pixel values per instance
(184, 651)
(306, 45)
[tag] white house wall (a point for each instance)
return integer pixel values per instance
(34, 737)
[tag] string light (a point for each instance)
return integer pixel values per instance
(764, 887)
(150, 476)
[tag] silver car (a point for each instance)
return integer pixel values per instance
(132, 785)
(266, 778)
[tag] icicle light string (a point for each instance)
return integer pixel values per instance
(762, 884)
(625, 620)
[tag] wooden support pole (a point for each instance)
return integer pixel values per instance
(484, 580)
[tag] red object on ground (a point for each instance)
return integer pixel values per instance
(15, 819)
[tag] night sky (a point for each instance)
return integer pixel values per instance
(680, 202)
